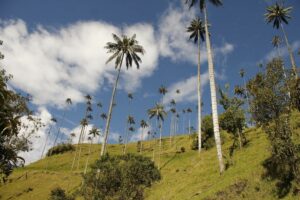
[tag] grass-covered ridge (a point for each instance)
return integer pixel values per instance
(185, 175)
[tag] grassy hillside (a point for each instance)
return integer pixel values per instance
(186, 175)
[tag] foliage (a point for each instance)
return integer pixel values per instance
(119, 177)
(59, 194)
(233, 118)
(294, 89)
(13, 113)
(59, 149)
(207, 134)
(270, 108)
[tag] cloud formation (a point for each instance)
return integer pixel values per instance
(53, 65)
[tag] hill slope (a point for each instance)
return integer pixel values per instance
(186, 175)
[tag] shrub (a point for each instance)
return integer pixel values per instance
(119, 177)
(59, 149)
(59, 194)
(182, 149)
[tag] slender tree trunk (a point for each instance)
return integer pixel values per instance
(49, 132)
(77, 147)
(290, 52)
(87, 160)
(79, 153)
(142, 137)
(160, 141)
(199, 95)
(171, 129)
(126, 139)
(58, 133)
(103, 148)
(213, 94)
(240, 139)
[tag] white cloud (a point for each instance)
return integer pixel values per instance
(69, 62)
(38, 138)
(140, 134)
(188, 89)
(173, 38)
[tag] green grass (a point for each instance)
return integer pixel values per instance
(187, 175)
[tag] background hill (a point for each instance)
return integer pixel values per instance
(185, 175)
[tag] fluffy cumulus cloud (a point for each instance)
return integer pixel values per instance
(53, 65)
(173, 38)
(38, 139)
(188, 89)
(140, 134)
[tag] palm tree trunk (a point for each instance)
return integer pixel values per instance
(79, 153)
(160, 140)
(290, 52)
(240, 139)
(213, 95)
(49, 131)
(171, 129)
(79, 139)
(142, 137)
(126, 139)
(103, 148)
(87, 160)
(199, 96)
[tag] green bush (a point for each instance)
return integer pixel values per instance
(61, 148)
(59, 194)
(119, 177)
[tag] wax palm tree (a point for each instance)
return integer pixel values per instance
(130, 96)
(203, 8)
(189, 111)
(72, 135)
(130, 121)
(177, 91)
(173, 108)
(143, 125)
(158, 112)
(197, 31)
(94, 132)
(122, 47)
(278, 14)
(68, 103)
(163, 91)
(53, 121)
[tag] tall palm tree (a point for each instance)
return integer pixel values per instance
(203, 8)
(68, 103)
(163, 91)
(143, 125)
(158, 112)
(53, 120)
(197, 31)
(94, 132)
(172, 124)
(278, 14)
(130, 122)
(122, 47)
(276, 41)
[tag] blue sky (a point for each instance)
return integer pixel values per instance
(54, 49)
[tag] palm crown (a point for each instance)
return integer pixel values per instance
(191, 3)
(143, 124)
(157, 111)
(196, 27)
(125, 47)
(94, 131)
(278, 14)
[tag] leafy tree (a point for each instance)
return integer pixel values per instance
(13, 112)
(197, 31)
(270, 108)
(122, 47)
(203, 8)
(279, 14)
(59, 149)
(233, 118)
(119, 177)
